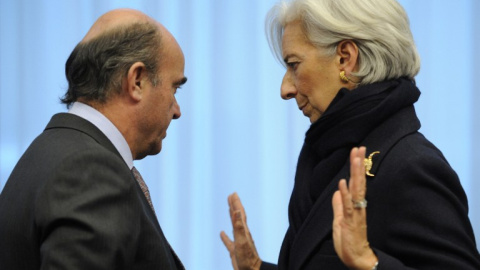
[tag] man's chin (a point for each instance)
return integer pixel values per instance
(153, 150)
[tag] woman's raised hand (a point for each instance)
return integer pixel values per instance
(350, 217)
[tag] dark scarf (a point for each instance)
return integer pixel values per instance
(351, 116)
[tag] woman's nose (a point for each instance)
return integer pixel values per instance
(287, 90)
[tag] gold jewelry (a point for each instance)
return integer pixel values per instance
(369, 163)
(343, 77)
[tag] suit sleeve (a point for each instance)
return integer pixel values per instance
(417, 212)
(87, 214)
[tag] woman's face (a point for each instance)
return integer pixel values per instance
(311, 78)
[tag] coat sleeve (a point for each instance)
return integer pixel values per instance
(417, 212)
(268, 266)
(86, 214)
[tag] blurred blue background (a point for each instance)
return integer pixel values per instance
(235, 133)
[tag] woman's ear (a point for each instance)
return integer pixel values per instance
(134, 82)
(347, 50)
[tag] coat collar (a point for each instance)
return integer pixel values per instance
(318, 225)
(71, 121)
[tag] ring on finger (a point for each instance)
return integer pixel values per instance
(359, 204)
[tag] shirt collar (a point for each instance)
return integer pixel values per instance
(106, 126)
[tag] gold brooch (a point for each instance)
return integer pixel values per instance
(368, 163)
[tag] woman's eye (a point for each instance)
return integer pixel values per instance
(292, 64)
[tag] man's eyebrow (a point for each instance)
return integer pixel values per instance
(180, 82)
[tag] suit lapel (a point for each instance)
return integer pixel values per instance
(71, 121)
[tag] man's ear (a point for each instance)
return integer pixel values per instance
(134, 82)
(347, 52)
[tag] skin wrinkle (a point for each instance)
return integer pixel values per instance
(149, 107)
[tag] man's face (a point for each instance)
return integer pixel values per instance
(160, 105)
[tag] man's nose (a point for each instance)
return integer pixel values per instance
(176, 111)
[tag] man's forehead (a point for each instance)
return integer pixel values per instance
(114, 19)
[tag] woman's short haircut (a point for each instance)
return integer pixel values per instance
(380, 28)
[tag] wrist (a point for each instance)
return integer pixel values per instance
(258, 264)
(369, 262)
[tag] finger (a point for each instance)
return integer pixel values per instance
(227, 241)
(353, 156)
(346, 198)
(238, 217)
(238, 206)
(230, 205)
(361, 155)
(236, 203)
(357, 185)
(357, 188)
(337, 205)
(239, 228)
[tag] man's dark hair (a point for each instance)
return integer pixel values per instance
(95, 68)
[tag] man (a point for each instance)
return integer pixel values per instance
(73, 201)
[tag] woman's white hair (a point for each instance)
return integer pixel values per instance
(380, 28)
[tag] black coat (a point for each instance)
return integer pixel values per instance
(417, 213)
(71, 202)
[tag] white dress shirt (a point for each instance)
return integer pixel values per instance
(107, 127)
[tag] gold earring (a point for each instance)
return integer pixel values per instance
(343, 77)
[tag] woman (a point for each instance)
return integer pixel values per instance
(350, 67)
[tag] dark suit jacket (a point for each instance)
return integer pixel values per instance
(417, 211)
(71, 202)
